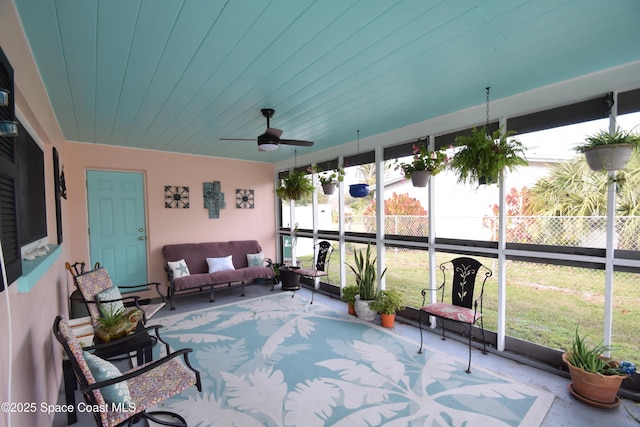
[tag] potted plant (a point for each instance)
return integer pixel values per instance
(387, 302)
(349, 296)
(367, 282)
(114, 323)
(295, 186)
(609, 151)
(595, 378)
(483, 157)
(424, 165)
(289, 278)
(329, 179)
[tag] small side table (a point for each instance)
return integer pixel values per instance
(142, 344)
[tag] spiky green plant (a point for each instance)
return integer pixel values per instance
(589, 358)
(366, 275)
(604, 137)
(110, 315)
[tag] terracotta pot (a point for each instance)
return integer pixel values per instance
(388, 320)
(592, 386)
(352, 309)
(420, 178)
(608, 157)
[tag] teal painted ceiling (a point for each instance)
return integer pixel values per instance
(179, 75)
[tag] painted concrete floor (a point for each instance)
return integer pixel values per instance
(566, 410)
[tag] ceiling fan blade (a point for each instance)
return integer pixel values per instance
(298, 142)
(273, 132)
(237, 139)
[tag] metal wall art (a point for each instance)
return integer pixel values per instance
(213, 198)
(176, 197)
(244, 199)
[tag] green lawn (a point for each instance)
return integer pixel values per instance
(545, 303)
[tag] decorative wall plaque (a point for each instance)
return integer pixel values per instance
(213, 198)
(176, 197)
(244, 199)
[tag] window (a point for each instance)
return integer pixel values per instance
(31, 188)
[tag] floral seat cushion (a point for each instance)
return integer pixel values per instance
(153, 387)
(452, 312)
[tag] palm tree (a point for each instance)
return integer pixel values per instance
(572, 189)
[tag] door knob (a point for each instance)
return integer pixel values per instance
(141, 238)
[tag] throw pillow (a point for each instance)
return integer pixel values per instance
(103, 370)
(112, 293)
(255, 260)
(179, 268)
(220, 264)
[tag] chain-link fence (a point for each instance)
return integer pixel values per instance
(579, 231)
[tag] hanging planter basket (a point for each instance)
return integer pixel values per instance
(608, 157)
(359, 190)
(420, 178)
(329, 188)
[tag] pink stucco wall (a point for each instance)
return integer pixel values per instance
(26, 339)
(164, 225)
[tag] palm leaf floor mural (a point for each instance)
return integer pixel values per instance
(279, 361)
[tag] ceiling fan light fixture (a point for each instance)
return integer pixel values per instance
(267, 145)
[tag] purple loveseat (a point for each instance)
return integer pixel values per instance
(198, 278)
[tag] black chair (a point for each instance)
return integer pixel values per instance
(123, 397)
(323, 256)
(463, 308)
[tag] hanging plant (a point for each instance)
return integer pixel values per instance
(295, 186)
(424, 160)
(485, 157)
(328, 179)
(609, 151)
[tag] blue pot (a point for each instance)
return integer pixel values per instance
(359, 190)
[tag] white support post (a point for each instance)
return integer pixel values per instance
(502, 273)
(341, 242)
(379, 159)
(292, 227)
(433, 267)
(611, 238)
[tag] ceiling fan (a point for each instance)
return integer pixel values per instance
(270, 139)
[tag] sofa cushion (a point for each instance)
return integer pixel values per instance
(220, 264)
(252, 273)
(191, 281)
(255, 260)
(179, 268)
